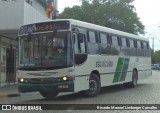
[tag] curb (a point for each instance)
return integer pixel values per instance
(10, 95)
(13, 95)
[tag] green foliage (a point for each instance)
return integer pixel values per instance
(116, 14)
(152, 56)
(156, 57)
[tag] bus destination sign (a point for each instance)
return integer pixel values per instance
(43, 27)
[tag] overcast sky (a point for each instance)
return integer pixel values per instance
(147, 10)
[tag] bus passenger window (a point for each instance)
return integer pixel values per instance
(79, 43)
(92, 37)
(124, 42)
(93, 46)
(80, 48)
(75, 41)
(142, 46)
(103, 38)
(104, 46)
(115, 40)
(115, 48)
(132, 47)
(124, 46)
(139, 44)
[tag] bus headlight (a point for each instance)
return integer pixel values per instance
(21, 79)
(64, 78)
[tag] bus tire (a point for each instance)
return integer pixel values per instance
(94, 86)
(133, 83)
(49, 94)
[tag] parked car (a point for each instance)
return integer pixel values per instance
(156, 66)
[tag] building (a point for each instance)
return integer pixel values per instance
(13, 14)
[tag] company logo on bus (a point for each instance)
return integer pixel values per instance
(104, 63)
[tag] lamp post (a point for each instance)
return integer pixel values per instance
(153, 36)
(153, 44)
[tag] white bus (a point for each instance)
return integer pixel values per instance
(67, 55)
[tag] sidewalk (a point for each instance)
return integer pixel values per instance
(9, 91)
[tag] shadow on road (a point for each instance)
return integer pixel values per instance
(78, 96)
(75, 96)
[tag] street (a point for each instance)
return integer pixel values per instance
(147, 92)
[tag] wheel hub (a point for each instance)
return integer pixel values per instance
(92, 85)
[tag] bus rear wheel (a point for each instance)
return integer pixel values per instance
(94, 86)
(133, 83)
(49, 94)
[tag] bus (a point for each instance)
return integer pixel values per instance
(67, 55)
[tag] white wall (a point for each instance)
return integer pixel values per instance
(38, 6)
(31, 15)
(11, 14)
(14, 14)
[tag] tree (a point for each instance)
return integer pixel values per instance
(116, 14)
(156, 56)
(152, 57)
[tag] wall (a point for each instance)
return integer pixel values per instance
(39, 7)
(14, 14)
(31, 15)
(11, 14)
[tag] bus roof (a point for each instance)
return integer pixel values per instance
(105, 29)
(98, 28)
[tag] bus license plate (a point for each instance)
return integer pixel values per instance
(63, 86)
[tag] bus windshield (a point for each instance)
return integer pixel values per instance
(46, 50)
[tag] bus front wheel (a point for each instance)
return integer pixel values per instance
(49, 94)
(94, 86)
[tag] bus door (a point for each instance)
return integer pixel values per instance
(80, 56)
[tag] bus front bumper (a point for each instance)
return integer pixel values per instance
(67, 86)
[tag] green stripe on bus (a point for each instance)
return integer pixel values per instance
(124, 69)
(118, 70)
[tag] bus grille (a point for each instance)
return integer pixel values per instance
(42, 80)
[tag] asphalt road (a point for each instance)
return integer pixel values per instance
(147, 92)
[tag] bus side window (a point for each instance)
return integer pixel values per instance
(146, 49)
(81, 42)
(115, 48)
(92, 37)
(142, 49)
(114, 40)
(124, 46)
(132, 49)
(80, 48)
(75, 42)
(93, 45)
(104, 44)
(139, 52)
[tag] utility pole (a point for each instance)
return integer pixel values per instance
(153, 44)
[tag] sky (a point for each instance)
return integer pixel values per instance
(147, 10)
